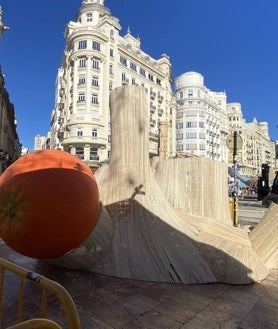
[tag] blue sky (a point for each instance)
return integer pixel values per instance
(233, 44)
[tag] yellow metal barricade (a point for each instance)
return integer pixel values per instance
(47, 286)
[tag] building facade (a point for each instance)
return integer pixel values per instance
(205, 121)
(10, 147)
(201, 123)
(193, 120)
(40, 143)
(95, 61)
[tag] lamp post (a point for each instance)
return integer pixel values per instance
(234, 143)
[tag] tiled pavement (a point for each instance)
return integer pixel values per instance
(106, 302)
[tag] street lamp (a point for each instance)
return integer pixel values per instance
(234, 143)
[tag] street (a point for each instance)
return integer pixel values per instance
(251, 211)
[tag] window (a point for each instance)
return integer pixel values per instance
(81, 80)
(133, 81)
(179, 125)
(95, 98)
(190, 146)
(82, 44)
(79, 151)
(112, 34)
(111, 52)
(111, 69)
(124, 79)
(94, 133)
(202, 135)
(95, 64)
(191, 135)
(190, 93)
(179, 136)
(95, 81)
(179, 147)
(89, 17)
(201, 124)
(96, 45)
(142, 72)
(110, 85)
(133, 66)
(123, 61)
(79, 132)
(158, 81)
(202, 147)
(93, 154)
(81, 98)
(150, 77)
(82, 62)
(191, 124)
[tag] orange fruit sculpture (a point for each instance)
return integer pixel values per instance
(49, 204)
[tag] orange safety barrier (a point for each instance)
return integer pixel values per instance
(47, 286)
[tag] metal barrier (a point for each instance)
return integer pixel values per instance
(47, 286)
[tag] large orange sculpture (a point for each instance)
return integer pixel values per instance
(49, 203)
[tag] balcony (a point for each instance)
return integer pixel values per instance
(152, 108)
(60, 134)
(152, 95)
(153, 136)
(98, 141)
(60, 106)
(160, 98)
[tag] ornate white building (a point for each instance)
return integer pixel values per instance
(205, 121)
(95, 61)
(202, 125)
(195, 120)
(40, 143)
(257, 147)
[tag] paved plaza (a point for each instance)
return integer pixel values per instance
(107, 302)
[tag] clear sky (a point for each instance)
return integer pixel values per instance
(233, 44)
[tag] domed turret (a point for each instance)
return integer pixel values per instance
(190, 78)
(92, 11)
(100, 2)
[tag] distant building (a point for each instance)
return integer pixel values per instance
(205, 121)
(10, 147)
(2, 26)
(96, 60)
(192, 120)
(201, 123)
(24, 150)
(40, 143)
